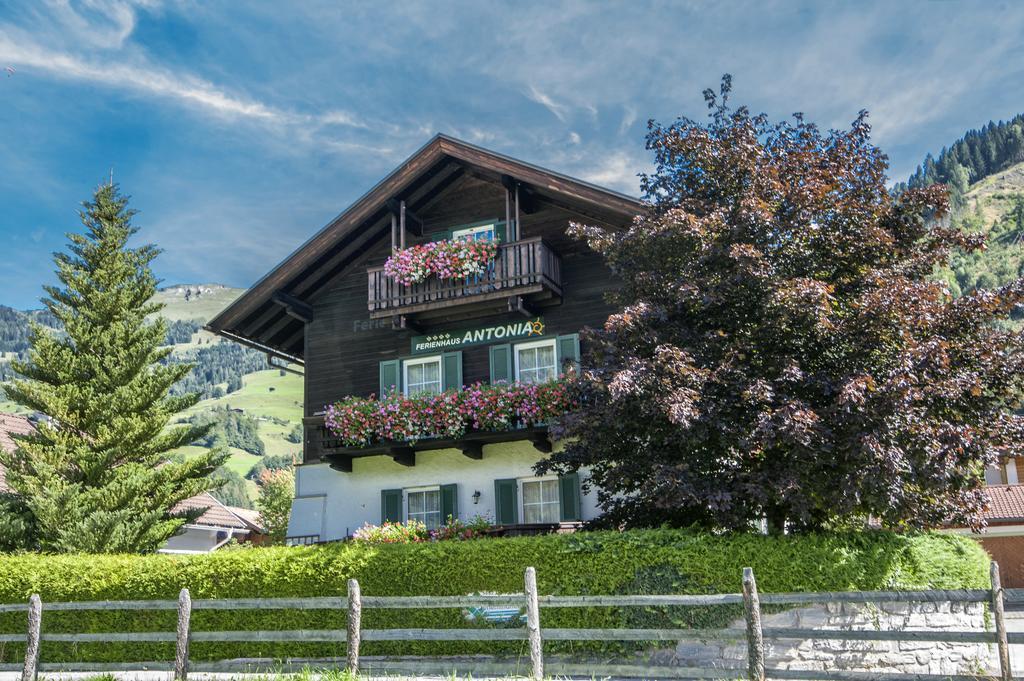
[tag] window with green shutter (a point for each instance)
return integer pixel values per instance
(449, 502)
(501, 363)
(506, 501)
(569, 493)
(451, 370)
(568, 351)
(391, 506)
(390, 377)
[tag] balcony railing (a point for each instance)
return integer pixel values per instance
(527, 268)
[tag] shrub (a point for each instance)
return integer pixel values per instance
(650, 561)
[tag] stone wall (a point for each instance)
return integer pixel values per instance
(878, 656)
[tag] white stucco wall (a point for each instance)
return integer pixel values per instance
(192, 540)
(333, 504)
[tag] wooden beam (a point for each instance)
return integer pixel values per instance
(517, 304)
(404, 323)
(340, 463)
(293, 306)
(405, 456)
(541, 442)
(473, 450)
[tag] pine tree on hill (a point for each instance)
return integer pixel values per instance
(97, 477)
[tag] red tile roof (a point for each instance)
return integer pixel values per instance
(217, 514)
(11, 424)
(1006, 502)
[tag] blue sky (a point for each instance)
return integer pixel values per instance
(240, 129)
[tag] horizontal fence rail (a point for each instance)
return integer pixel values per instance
(530, 602)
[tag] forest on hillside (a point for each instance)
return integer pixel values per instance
(975, 156)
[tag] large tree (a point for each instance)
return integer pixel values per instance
(96, 476)
(782, 351)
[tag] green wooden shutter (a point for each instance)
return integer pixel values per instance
(391, 506)
(390, 376)
(449, 502)
(506, 501)
(568, 351)
(569, 496)
(501, 363)
(451, 370)
(501, 232)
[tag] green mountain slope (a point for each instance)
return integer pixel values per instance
(227, 375)
(993, 207)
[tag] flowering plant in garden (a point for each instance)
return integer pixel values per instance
(453, 413)
(450, 259)
(409, 532)
(414, 531)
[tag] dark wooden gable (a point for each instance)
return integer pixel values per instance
(273, 315)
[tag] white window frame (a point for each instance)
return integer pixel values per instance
(420, 361)
(542, 478)
(419, 490)
(552, 342)
(473, 231)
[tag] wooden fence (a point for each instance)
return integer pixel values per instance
(533, 632)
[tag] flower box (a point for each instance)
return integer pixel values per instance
(450, 259)
(360, 422)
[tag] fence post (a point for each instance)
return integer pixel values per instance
(533, 625)
(1005, 674)
(355, 613)
(752, 611)
(184, 634)
(35, 622)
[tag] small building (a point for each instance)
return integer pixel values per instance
(359, 331)
(215, 528)
(217, 525)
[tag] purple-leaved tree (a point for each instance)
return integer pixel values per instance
(781, 349)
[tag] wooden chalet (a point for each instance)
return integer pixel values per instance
(332, 309)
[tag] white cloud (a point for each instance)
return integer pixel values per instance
(628, 118)
(574, 137)
(559, 110)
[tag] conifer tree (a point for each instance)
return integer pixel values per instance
(96, 477)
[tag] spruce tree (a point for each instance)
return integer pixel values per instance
(97, 477)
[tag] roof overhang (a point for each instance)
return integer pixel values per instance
(271, 316)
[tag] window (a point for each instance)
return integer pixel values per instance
(478, 233)
(536, 362)
(422, 376)
(541, 501)
(425, 505)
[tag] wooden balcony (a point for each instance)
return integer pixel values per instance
(527, 272)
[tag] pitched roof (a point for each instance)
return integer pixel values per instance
(1006, 502)
(218, 514)
(259, 317)
(11, 424)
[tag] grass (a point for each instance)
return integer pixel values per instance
(264, 394)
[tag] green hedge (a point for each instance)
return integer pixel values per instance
(656, 561)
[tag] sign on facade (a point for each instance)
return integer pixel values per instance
(454, 340)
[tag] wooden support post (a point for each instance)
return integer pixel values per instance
(518, 233)
(533, 625)
(35, 623)
(755, 641)
(401, 222)
(184, 634)
(508, 211)
(355, 614)
(1005, 673)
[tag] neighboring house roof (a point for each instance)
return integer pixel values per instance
(219, 515)
(1006, 502)
(265, 316)
(11, 425)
